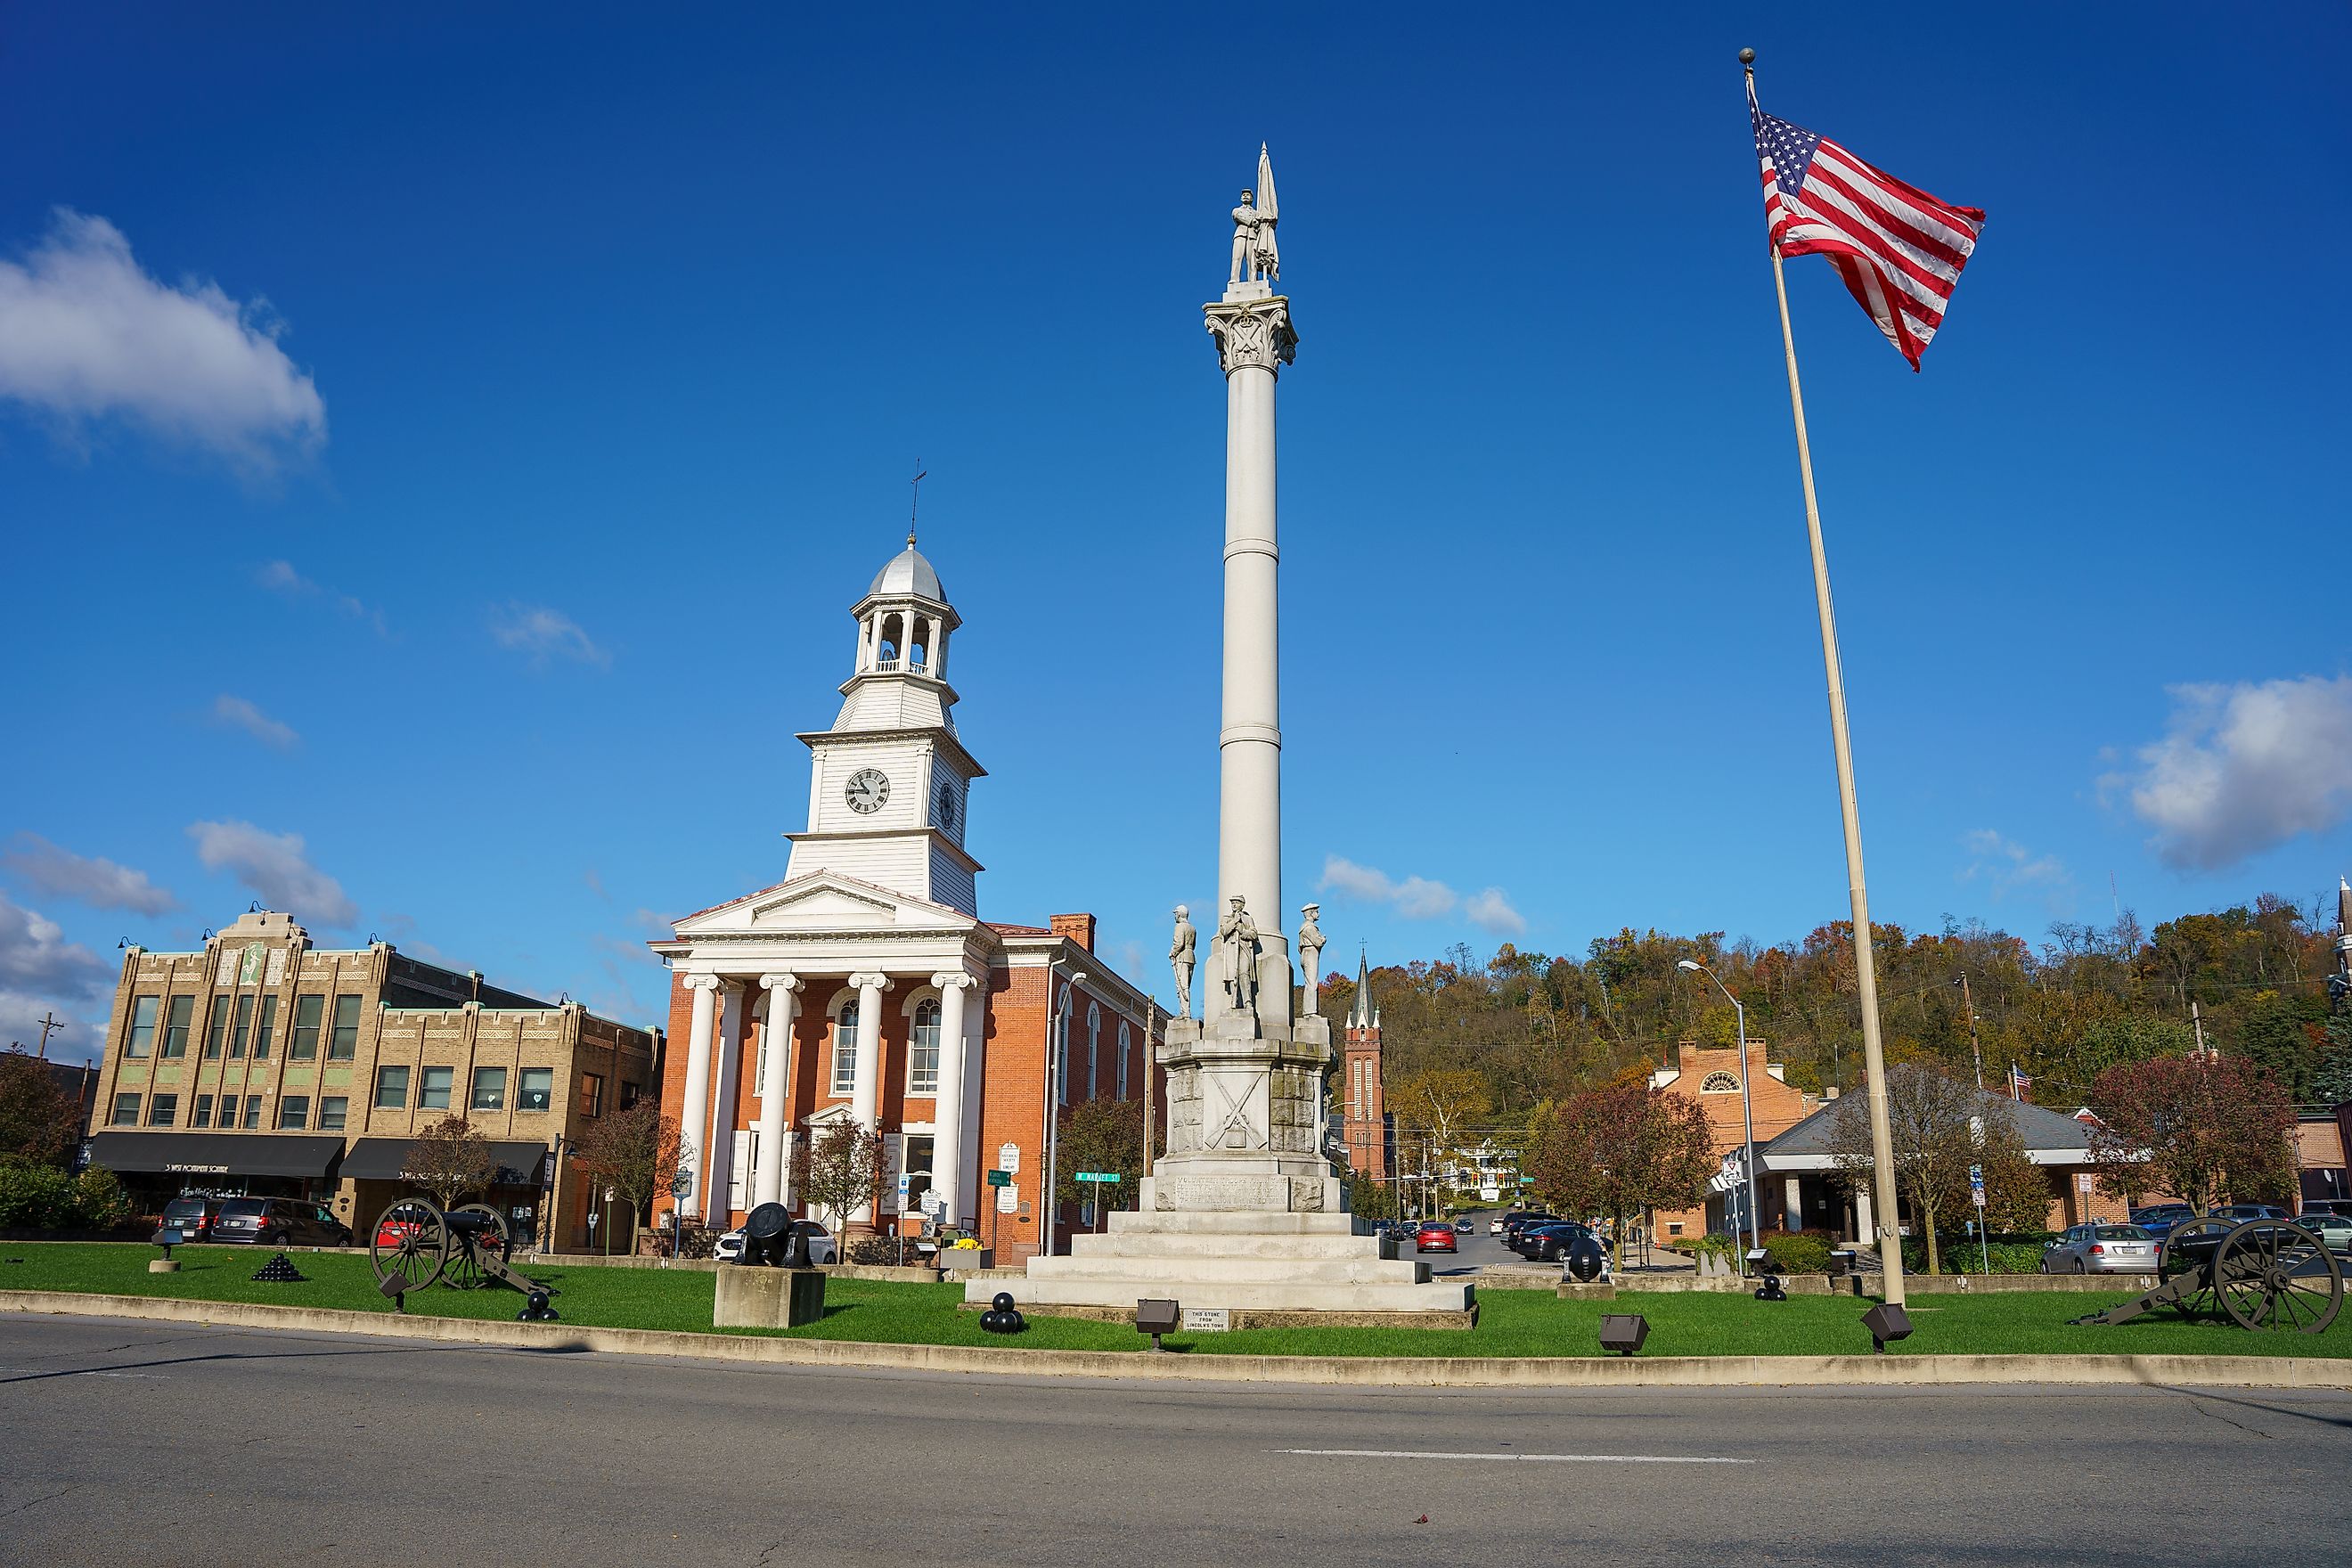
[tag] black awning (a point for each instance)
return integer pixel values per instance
(215, 1154)
(386, 1159)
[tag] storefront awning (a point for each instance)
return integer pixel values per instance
(386, 1159)
(215, 1154)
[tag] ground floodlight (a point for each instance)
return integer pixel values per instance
(1157, 1317)
(1887, 1322)
(1622, 1334)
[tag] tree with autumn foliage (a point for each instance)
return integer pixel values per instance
(1934, 1120)
(2205, 1129)
(636, 1150)
(1621, 1150)
(451, 1159)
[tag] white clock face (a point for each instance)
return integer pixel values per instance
(868, 789)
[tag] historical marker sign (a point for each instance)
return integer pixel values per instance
(1208, 1319)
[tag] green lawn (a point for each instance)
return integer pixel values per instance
(1511, 1322)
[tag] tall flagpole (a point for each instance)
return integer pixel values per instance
(1865, 968)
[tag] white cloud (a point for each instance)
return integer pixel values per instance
(86, 334)
(1489, 911)
(2244, 767)
(2008, 867)
(1420, 897)
(101, 884)
(41, 973)
(239, 714)
(273, 865)
(545, 633)
(280, 577)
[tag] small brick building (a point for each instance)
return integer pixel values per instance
(1712, 1077)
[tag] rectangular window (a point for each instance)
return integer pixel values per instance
(433, 1089)
(489, 1089)
(252, 1122)
(162, 1111)
(845, 1050)
(345, 1040)
(391, 1089)
(243, 1029)
(332, 1109)
(536, 1092)
(265, 1028)
(217, 1028)
(631, 1093)
(293, 1113)
(307, 1012)
(200, 1114)
(143, 1027)
(126, 1110)
(176, 1025)
(923, 1050)
(592, 1094)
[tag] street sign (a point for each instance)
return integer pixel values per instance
(1000, 1178)
(2083, 1182)
(1110, 1176)
(1526, 1181)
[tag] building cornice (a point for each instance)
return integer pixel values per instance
(943, 738)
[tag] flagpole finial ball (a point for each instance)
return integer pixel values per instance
(1747, 57)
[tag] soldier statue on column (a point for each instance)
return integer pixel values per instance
(1256, 256)
(1237, 950)
(1180, 959)
(1311, 951)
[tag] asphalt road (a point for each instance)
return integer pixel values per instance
(127, 1443)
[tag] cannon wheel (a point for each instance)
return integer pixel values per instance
(2197, 1299)
(466, 1271)
(418, 1249)
(2273, 1275)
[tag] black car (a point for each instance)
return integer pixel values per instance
(1518, 1226)
(279, 1222)
(1550, 1243)
(2160, 1220)
(191, 1217)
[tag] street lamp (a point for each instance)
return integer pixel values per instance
(1747, 1109)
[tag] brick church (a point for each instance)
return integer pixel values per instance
(864, 987)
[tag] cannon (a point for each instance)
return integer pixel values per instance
(415, 1246)
(2262, 1274)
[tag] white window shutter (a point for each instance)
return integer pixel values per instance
(737, 1170)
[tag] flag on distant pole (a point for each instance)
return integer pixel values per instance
(2018, 1082)
(1899, 249)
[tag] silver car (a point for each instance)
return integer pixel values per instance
(2101, 1249)
(2335, 1229)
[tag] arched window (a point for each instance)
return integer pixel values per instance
(1126, 1043)
(1719, 1083)
(1094, 1049)
(923, 1050)
(845, 1049)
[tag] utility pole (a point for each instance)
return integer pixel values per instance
(2196, 1022)
(1969, 1002)
(48, 1021)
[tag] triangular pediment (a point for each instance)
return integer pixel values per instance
(823, 901)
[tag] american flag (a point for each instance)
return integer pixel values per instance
(2018, 1082)
(1899, 249)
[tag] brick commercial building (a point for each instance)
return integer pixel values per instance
(864, 987)
(263, 1066)
(1712, 1077)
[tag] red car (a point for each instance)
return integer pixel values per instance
(1435, 1237)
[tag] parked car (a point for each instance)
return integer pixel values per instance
(279, 1222)
(1435, 1237)
(821, 1248)
(192, 1216)
(2101, 1249)
(2239, 1213)
(1550, 1243)
(2329, 1205)
(1517, 1222)
(2334, 1230)
(1502, 1223)
(2159, 1220)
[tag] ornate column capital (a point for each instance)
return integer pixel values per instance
(875, 980)
(787, 983)
(1253, 334)
(954, 980)
(701, 982)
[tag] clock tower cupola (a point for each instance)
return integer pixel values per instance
(889, 782)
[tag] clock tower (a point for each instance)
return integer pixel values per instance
(887, 784)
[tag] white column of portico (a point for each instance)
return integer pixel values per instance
(694, 1110)
(1863, 1234)
(1793, 1198)
(866, 1093)
(775, 1089)
(723, 1100)
(948, 1159)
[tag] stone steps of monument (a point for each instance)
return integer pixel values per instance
(1222, 1244)
(1239, 1222)
(1296, 1270)
(1272, 1295)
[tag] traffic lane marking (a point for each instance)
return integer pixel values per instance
(1518, 1459)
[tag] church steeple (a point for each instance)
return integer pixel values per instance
(1361, 1012)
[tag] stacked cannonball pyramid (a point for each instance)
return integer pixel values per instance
(1003, 1317)
(281, 1270)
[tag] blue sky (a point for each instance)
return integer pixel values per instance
(439, 454)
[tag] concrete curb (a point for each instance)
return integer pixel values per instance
(1455, 1372)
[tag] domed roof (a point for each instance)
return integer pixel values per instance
(908, 574)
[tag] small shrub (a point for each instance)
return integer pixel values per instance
(96, 1201)
(34, 1197)
(1799, 1252)
(876, 1249)
(697, 1241)
(2012, 1253)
